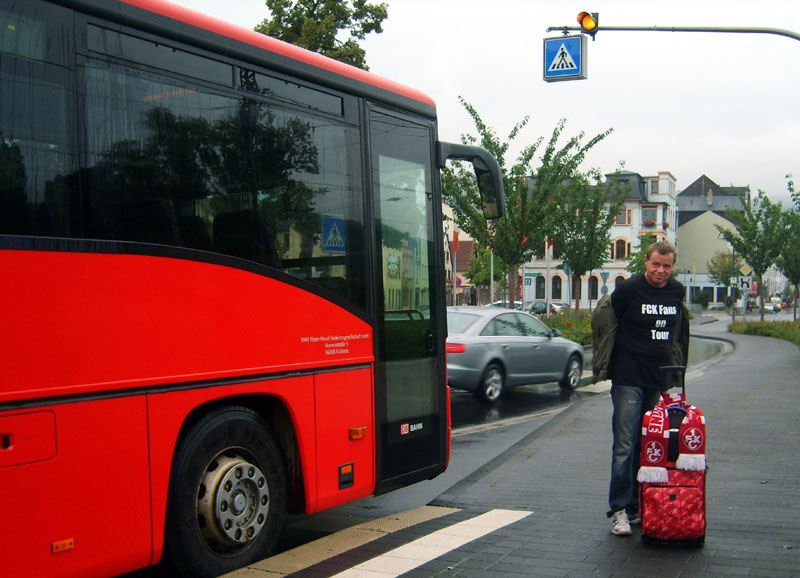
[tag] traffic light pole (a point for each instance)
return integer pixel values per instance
(734, 30)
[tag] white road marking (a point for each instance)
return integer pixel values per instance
(462, 431)
(337, 543)
(416, 553)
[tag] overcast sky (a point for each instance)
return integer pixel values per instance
(723, 105)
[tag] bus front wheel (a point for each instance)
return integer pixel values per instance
(228, 495)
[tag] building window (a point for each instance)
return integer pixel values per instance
(624, 216)
(556, 288)
(540, 287)
(593, 288)
(649, 214)
(620, 249)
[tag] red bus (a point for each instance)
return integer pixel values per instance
(222, 294)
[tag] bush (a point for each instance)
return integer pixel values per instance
(578, 329)
(702, 298)
(788, 330)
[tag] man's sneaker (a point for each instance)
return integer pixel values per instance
(635, 519)
(620, 526)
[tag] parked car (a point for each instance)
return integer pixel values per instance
(490, 349)
(506, 304)
(539, 308)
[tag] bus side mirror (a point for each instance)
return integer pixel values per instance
(487, 171)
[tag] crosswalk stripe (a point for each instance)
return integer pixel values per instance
(307, 555)
(416, 553)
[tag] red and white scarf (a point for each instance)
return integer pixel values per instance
(655, 440)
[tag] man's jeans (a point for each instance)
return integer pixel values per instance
(630, 405)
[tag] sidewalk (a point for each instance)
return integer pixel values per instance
(751, 399)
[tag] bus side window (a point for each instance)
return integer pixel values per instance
(150, 221)
(244, 234)
(195, 232)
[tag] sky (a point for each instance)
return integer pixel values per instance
(719, 104)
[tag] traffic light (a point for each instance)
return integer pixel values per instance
(589, 22)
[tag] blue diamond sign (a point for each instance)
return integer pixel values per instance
(565, 58)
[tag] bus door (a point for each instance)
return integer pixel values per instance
(410, 373)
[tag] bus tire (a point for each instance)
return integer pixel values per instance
(227, 503)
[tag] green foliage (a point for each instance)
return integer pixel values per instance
(315, 25)
(788, 330)
(724, 265)
(789, 260)
(516, 236)
(636, 259)
(702, 297)
(578, 327)
(580, 214)
(480, 268)
(759, 235)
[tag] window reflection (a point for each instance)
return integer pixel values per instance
(177, 165)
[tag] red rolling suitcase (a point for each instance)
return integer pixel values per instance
(672, 476)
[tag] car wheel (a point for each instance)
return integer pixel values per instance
(228, 495)
(572, 373)
(491, 386)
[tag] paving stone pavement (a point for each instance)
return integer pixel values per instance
(751, 398)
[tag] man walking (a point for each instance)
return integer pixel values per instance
(643, 326)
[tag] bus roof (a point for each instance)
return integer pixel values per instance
(238, 33)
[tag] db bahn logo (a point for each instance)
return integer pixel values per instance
(407, 428)
(654, 452)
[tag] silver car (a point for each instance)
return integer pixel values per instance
(491, 349)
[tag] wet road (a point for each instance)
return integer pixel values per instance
(467, 412)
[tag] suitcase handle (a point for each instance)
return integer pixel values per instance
(677, 369)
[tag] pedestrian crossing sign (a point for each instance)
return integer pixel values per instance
(333, 235)
(565, 58)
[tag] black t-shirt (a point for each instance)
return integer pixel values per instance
(646, 317)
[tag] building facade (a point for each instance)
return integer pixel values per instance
(702, 206)
(650, 207)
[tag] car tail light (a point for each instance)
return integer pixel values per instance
(456, 348)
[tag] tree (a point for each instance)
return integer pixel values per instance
(794, 194)
(789, 260)
(723, 266)
(581, 217)
(522, 230)
(315, 25)
(758, 235)
(636, 259)
(480, 268)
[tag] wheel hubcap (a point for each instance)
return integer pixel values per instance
(493, 385)
(574, 374)
(233, 501)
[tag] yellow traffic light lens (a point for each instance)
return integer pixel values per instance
(587, 21)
